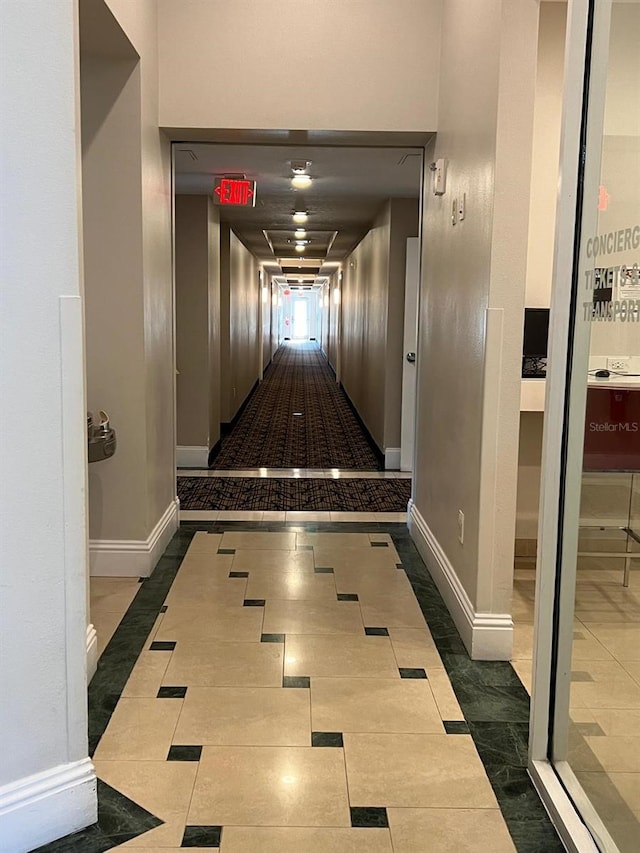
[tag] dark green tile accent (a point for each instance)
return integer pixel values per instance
(226, 550)
(163, 609)
(535, 836)
(376, 632)
(399, 566)
(323, 570)
(184, 753)
(487, 703)
(162, 646)
(347, 596)
(379, 544)
(201, 836)
(463, 670)
(141, 580)
(171, 693)
(456, 727)
(326, 739)
(272, 638)
(369, 816)
(253, 602)
(499, 743)
(119, 819)
(411, 672)
(296, 681)
(238, 574)
(579, 675)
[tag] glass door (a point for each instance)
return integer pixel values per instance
(585, 740)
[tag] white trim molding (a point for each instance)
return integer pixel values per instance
(192, 457)
(487, 636)
(48, 805)
(134, 558)
(392, 459)
(92, 652)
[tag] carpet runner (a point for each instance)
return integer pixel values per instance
(298, 417)
(348, 495)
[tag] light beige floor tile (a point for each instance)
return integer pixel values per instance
(608, 671)
(444, 695)
(200, 587)
(274, 786)
(211, 622)
(449, 831)
(345, 655)
(146, 676)
(239, 515)
(204, 543)
(214, 564)
(633, 668)
(273, 515)
(272, 561)
(414, 647)
(587, 647)
(278, 839)
(198, 515)
(112, 594)
(622, 641)
(605, 694)
(154, 630)
(417, 771)
(391, 611)
(374, 705)
(140, 730)
(298, 586)
(366, 558)
(390, 581)
(225, 665)
(335, 540)
(522, 641)
(105, 623)
(617, 754)
(249, 540)
(245, 716)
(162, 787)
(312, 617)
(524, 673)
(611, 793)
(613, 616)
(616, 722)
(301, 515)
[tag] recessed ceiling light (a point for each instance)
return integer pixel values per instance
(300, 233)
(299, 167)
(300, 247)
(300, 216)
(301, 182)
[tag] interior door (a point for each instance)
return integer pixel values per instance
(407, 435)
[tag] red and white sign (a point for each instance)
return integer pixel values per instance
(234, 191)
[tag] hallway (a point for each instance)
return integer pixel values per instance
(276, 688)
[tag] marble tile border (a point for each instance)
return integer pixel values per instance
(492, 699)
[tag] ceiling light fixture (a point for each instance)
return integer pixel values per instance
(301, 182)
(299, 167)
(300, 247)
(300, 216)
(300, 233)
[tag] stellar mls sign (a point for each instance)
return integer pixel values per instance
(234, 191)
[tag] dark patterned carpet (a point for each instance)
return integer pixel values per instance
(298, 417)
(244, 493)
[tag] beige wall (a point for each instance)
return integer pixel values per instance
(197, 320)
(382, 54)
(404, 224)
(472, 295)
(372, 320)
(129, 295)
(241, 335)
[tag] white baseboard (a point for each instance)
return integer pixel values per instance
(392, 459)
(192, 457)
(487, 636)
(133, 558)
(92, 652)
(47, 806)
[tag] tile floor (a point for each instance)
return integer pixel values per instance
(278, 689)
(604, 749)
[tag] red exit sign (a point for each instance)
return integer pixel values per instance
(236, 191)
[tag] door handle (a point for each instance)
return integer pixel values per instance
(411, 357)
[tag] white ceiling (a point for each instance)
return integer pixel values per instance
(350, 184)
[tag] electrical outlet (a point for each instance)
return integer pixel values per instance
(460, 527)
(620, 364)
